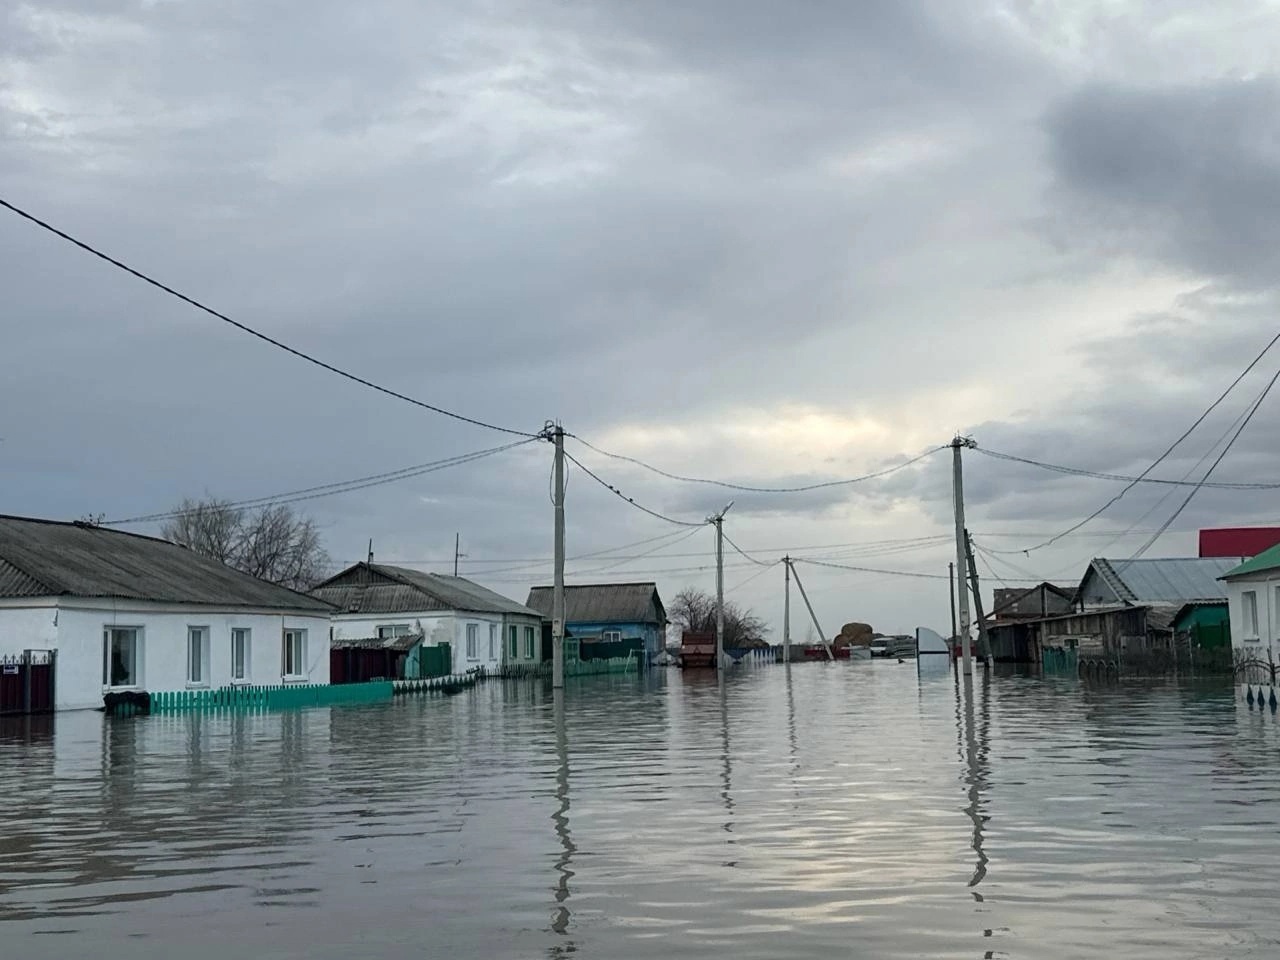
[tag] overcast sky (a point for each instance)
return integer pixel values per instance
(771, 243)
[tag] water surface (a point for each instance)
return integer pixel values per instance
(826, 810)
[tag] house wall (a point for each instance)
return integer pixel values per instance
(78, 638)
(654, 641)
(1094, 591)
(1265, 645)
(449, 627)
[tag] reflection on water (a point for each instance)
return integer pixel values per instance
(811, 811)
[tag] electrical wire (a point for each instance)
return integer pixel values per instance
(1225, 450)
(331, 489)
(893, 573)
(245, 328)
(622, 496)
(762, 563)
(1080, 472)
(1168, 450)
(755, 576)
(750, 489)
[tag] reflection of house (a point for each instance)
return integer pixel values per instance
(132, 613)
(1253, 597)
(376, 602)
(612, 613)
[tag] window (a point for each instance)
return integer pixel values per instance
(529, 643)
(473, 641)
(611, 635)
(239, 653)
(390, 630)
(1249, 612)
(493, 641)
(513, 641)
(293, 656)
(198, 656)
(120, 660)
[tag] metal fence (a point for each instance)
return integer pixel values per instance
(28, 682)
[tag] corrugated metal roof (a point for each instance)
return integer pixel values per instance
(604, 602)
(383, 588)
(1266, 560)
(52, 558)
(1174, 580)
(400, 644)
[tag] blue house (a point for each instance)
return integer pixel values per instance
(606, 612)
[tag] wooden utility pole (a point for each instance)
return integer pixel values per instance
(983, 639)
(957, 493)
(557, 592)
(718, 520)
(786, 613)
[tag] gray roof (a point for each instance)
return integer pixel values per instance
(1166, 580)
(49, 558)
(383, 588)
(604, 602)
(400, 644)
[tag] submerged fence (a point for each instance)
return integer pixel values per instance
(262, 698)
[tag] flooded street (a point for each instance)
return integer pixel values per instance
(844, 810)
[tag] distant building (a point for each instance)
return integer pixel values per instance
(1166, 582)
(610, 612)
(1009, 625)
(378, 606)
(128, 613)
(1238, 543)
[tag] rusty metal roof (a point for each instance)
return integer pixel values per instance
(604, 603)
(44, 558)
(383, 588)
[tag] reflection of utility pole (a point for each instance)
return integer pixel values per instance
(560, 917)
(975, 748)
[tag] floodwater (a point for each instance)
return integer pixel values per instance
(827, 810)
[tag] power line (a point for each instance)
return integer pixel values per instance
(1213, 466)
(1080, 472)
(244, 328)
(750, 489)
(755, 576)
(891, 573)
(331, 489)
(748, 556)
(1168, 450)
(622, 496)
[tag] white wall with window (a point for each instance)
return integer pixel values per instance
(476, 639)
(1253, 604)
(136, 645)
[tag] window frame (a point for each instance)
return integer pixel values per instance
(493, 641)
(246, 637)
(530, 643)
(473, 641)
(513, 641)
(301, 634)
(197, 657)
(1249, 616)
(610, 636)
(396, 630)
(107, 630)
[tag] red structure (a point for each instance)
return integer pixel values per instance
(1238, 541)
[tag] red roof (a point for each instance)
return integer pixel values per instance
(1238, 541)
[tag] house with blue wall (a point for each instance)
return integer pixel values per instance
(609, 613)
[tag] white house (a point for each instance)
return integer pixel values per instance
(482, 628)
(1253, 602)
(128, 612)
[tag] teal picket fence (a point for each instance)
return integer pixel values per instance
(291, 696)
(1060, 661)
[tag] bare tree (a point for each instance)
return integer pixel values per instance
(695, 611)
(272, 543)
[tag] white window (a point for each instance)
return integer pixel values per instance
(197, 656)
(493, 641)
(608, 635)
(239, 654)
(1249, 613)
(513, 641)
(473, 641)
(529, 644)
(390, 630)
(121, 660)
(293, 655)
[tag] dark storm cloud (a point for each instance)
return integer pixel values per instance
(1187, 174)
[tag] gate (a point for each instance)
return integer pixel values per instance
(435, 661)
(27, 682)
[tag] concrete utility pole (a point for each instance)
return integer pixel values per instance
(951, 575)
(957, 492)
(831, 655)
(557, 591)
(984, 641)
(457, 551)
(718, 520)
(786, 613)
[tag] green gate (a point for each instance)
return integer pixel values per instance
(436, 661)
